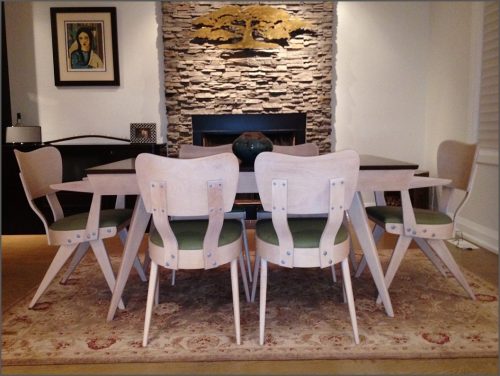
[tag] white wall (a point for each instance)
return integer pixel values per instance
(407, 79)
(452, 110)
(71, 111)
(22, 75)
(381, 78)
(449, 111)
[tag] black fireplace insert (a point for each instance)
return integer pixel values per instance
(281, 129)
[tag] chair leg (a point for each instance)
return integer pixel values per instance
(352, 255)
(80, 253)
(263, 293)
(350, 298)
(344, 295)
(444, 254)
(147, 261)
(63, 254)
(431, 255)
(361, 267)
(173, 278)
(244, 276)
(137, 263)
(334, 274)
(103, 260)
(352, 258)
(157, 292)
(139, 269)
(236, 299)
(122, 234)
(397, 256)
(247, 251)
(378, 231)
(255, 277)
(153, 276)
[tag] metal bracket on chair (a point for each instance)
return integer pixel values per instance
(335, 218)
(158, 191)
(215, 222)
(409, 221)
(280, 221)
(92, 227)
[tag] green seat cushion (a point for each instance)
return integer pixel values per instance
(190, 234)
(108, 218)
(306, 232)
(394, 214)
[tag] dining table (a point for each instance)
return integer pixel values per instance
(377, 174)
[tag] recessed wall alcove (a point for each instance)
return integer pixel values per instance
(203, 79)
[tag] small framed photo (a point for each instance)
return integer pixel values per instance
(85, 46)
(143, 133)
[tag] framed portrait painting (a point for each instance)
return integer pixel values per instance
(85, 46)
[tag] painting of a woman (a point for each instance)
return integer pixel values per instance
(84, 56)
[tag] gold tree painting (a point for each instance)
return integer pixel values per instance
(251, 27)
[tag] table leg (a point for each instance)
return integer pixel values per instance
(138, 224)
(359, 220)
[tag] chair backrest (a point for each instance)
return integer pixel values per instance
(457, 161)
(188, 151)
(187, 181)
(38, 170)
(308, 179)
(305, 150)
(291, 185)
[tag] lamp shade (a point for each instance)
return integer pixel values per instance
(24, 133)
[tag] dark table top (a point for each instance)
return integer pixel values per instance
(373, 162)
(367, 162)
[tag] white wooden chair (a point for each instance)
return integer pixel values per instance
(304, 150)
(41, 168)
(299, 186)
(429, 228)
(188, 151)
(191, 188)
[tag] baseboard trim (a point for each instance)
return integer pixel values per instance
(482, 236)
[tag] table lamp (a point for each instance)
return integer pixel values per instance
(19, 133)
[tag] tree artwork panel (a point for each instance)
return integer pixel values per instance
(251, 27)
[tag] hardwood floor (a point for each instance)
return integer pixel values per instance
(26, 258)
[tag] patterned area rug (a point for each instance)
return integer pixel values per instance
(306, 319)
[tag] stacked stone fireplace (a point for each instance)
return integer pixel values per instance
(202, 80)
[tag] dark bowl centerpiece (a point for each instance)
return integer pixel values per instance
(249, 144)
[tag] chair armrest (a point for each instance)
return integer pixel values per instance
(73, 186)
(423, 182)
(409, 221)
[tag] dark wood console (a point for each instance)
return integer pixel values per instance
(17, 216)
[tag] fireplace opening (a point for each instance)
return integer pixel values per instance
(277, 138)
(281, 129)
